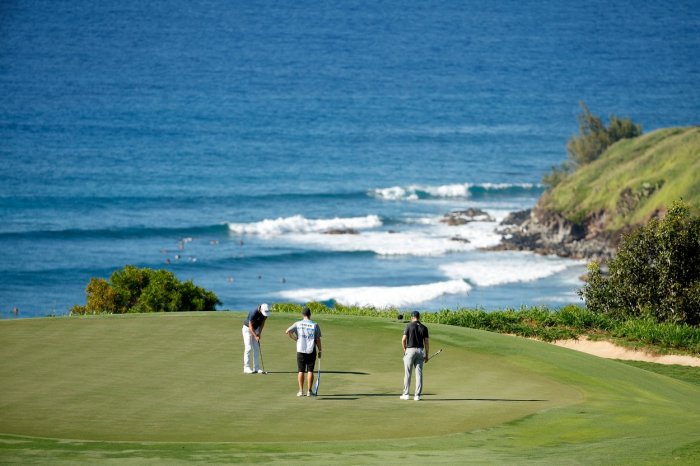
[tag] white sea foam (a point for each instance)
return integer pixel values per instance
(478, 234)
(414, 192)
(506, 267)
(299, 224)
(416, 243)
(502, 186)
(380, 296)
(395, 193)
(449, 191)
(421, 236)
(426, 237)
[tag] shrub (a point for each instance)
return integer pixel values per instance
(582, 319)
(593, 139)
(144, 290)
(655, 274)
(101, 296)
(129, 283)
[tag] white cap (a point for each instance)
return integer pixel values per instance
(264, 309)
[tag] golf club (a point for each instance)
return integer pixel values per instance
(262, 361)
(432, 355)
(318, 378)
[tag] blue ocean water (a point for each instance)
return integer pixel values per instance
(224, 140)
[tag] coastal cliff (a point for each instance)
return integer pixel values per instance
(586, 214)
(550, 233)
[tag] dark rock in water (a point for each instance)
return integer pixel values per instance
(461, 217)
(342, 231)
(549, 233)
(460, 239)
(516, 218)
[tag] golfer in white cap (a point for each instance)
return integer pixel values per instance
(252, 329)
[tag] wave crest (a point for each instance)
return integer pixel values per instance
(503, 268)
(387, 244)
(452, 191)
(300, 224)
(379, 296)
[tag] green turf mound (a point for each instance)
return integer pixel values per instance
(170, 388)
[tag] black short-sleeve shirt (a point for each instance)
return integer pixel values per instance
(416, 333)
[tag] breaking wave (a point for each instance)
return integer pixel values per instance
(453, 191)
(502, 268)
(379, 296)
(299, 224)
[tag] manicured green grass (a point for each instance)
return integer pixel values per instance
(686, 373)
(170, 389)
(648, 173)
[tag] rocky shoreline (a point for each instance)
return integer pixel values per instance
(549, 233)
(537, 230)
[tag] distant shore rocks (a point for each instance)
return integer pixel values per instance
(462, 217)
(342, 231)
(549, 233)
(516, 218)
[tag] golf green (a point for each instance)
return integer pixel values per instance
(170, 388)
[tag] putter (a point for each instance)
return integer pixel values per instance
(429, 358)
(262, 361)
(318, 378)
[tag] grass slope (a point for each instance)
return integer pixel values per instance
(633, 179)
(686, 373)
(170, 389)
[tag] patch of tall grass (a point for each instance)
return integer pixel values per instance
(671, 336)
(538, 322)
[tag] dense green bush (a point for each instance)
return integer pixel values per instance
(134, 289)
(655, 274)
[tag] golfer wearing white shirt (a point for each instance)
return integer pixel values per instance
(307, 334)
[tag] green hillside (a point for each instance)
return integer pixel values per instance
(169, 389)
(632, 180)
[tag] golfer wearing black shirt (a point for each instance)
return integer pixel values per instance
(416, 345)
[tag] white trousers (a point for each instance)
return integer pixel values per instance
(250, 344)
(413, 358)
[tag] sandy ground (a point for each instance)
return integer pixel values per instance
(605, 349)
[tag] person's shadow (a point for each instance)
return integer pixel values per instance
(355, 396)
(322, 372)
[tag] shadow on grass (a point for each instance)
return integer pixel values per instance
(355, 396)
(322, 372)
(505, 400)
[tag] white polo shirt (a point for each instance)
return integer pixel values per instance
(307, 332)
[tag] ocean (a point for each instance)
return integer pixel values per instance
(225, 141)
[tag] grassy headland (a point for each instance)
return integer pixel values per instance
(586, 211)
(168, 388)
(632, 180)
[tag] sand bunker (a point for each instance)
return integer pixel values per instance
(605, 349)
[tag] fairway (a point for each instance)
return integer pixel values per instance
(171, 388)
